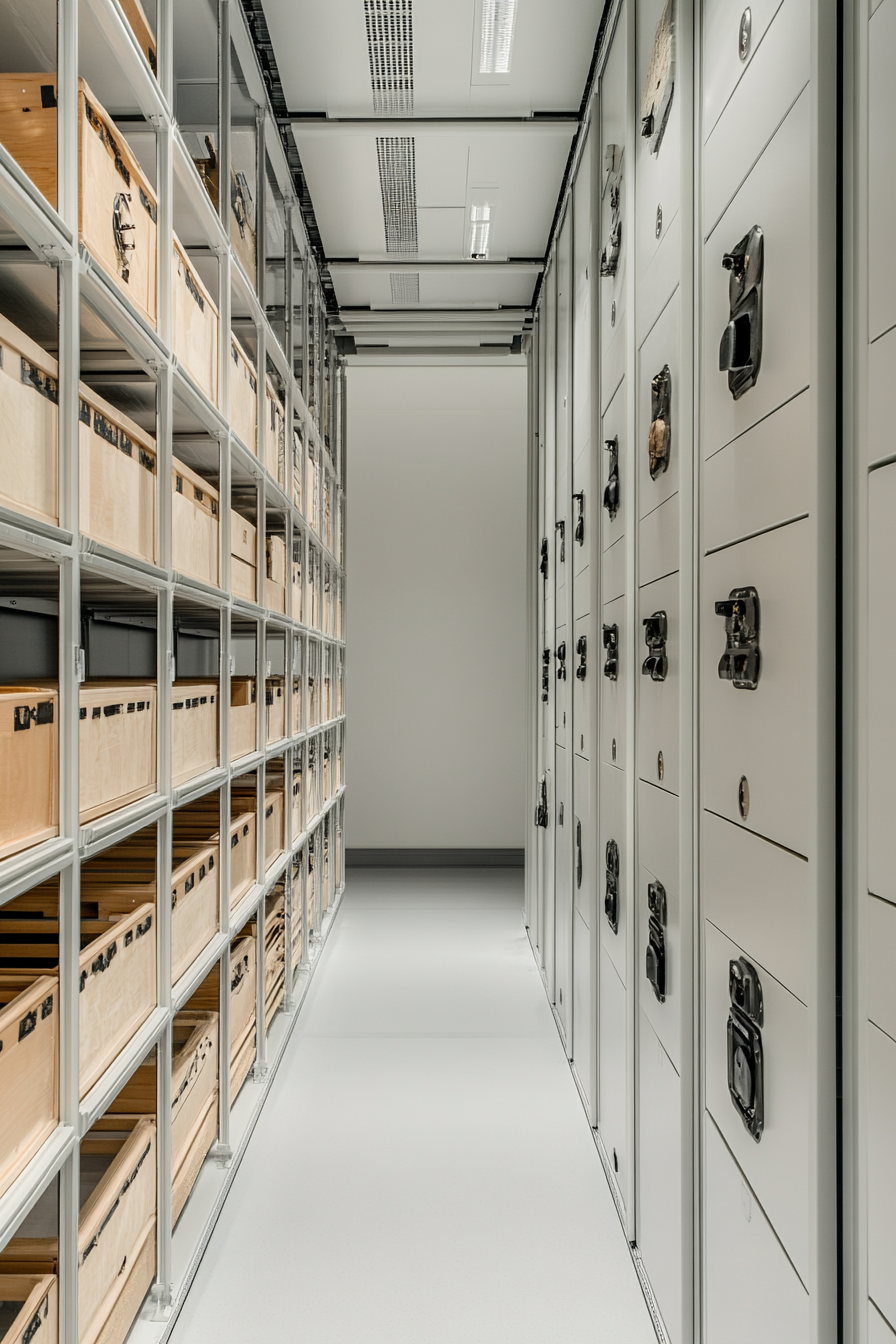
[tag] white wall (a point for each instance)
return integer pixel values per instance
(436, 607)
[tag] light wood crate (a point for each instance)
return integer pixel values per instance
(275, 579)
(243, 717)
(243, 856)
(298, 587)
(311, 484)
(117, 212)
(118, 990)
(29, 413)
(139, 24)
(297, 811)
(29, 1068)
(274, 950)
(274, 434)
(242, 1008)
(29, 767)
(194, 729)
(194, 525)
(117, 745)
(117, 479)
(273, 826)
(37, 1298)
(194, 328)
(243, 397)
(275, 709)
(242, 225)
(196, 824)
(297, 705)
(243, 562)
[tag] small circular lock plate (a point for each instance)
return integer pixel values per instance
(659, 220)
(744, 33)
(743, 797)
(613, 313)
(660, 765)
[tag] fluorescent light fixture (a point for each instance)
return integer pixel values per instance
(498, 17)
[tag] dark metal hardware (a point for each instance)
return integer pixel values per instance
(582, 651)
(122, 227)
(611, 891)
(611, 644)
(745, 1071)
(656, 101)
(543, 563)
(560, 655)
(541, 807)
(560, 526)
(579, 533)
(656, 664)
(578, 855)
(740, 351)
(545, 675)
(741, 663)
(656, 939)
(609, 257)
(659, 442)
(611, 490)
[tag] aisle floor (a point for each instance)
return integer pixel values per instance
(423, 1170)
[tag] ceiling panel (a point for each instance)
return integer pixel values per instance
(455, 286)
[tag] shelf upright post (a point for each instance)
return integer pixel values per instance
(162, 1289)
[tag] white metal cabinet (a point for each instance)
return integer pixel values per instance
(882, 1169)
(561, 671)
(881, 179)
(659, 175)
(581, 514)
(612, 827)
(564, 828)
(881, 653)
(613, 571)
(777, 1167)
(661, 348)
(612, 289)
(763, 736)
(881, 362)
(723, 64)
(881, 960)
(659, 1175)
(879, 1331)
(582, 1010)
(613, 432)
(584, 842)
(612, 1069)
(612, 692)
(658, 701)
(658, 820)
(658, 542)
(752, 1291)
(584, 665)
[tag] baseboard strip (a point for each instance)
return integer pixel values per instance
(434, 858)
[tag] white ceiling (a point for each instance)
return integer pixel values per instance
(474, 138)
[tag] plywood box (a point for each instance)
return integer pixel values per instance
(117, 479)
(242, 1008)
(194, 324)
(297, 705)
(194, 1100)
(29, 1068)
(118, 990)
(136, 17)
(243, 397)
(274, 434)
(311, 485)
(298, 795)
(273, 827)
(242, 224)
(194, 525)
(29, 413)
(194, 729)
(29, 1309)
(274, 951)
(243, 561)
(194, 907)
(117, 215)
(243, 717)
(275, 579)
(243, 856)
(297, 585)
(117, 745)
(298, 453)
(29, 767)
(275, 708)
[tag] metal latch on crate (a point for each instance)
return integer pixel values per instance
(656, 939)
(582, 651)
(659, 440)
(745, 1062)
(611, 644)
(741, 663)
(611, 490)
(611, 889)
(656, 664)
(740, 350)
(25, 715)
(122, 228)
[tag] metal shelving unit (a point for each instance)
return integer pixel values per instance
(34, 237)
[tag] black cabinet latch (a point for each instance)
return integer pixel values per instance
(560, 655)
(611, 490)
(609, 257)
(656, 939)
(741, 662)
(578, 855)
(545, 675)
(611, 891)
(541, 807)
(611, 644)
(582, 651)
(659, 442)
(560, 527)
(740, 351)
(656, 664)
(543, 563)
(579, 533)
(745, 1081)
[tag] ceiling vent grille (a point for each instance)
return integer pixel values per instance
(398, 185)
(405, 287)
(390, 47)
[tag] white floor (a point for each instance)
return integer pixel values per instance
(423, 1170)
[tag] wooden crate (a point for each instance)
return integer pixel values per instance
(134, 13)
(243, 856)
(117, 479)
(117, 214)
(297, 582)
(242, 1008)
(194, 525)
(242, 224)
(194, 324)
(194, 907)
(118, 989)
(29, 1068)
(311, 484)
(297, 705)
(274, 951)
(275, 579)
(29, 767)
(29, 413)
(243, 397)
(29, 1309)
(117, 745)
(194, 729)
(298, 453)
(275, 708)
(274, 434)
(273, 826)
(298, 795)
(243, 563)
(243, 717)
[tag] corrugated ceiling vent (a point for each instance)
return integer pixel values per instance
(398, 184)
(405, 287)
(390, 47)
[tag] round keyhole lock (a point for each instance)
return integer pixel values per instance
(613, 313)
(614, 748)
(659, 220)
(660, 765)
(743, 797)
(744, 32)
